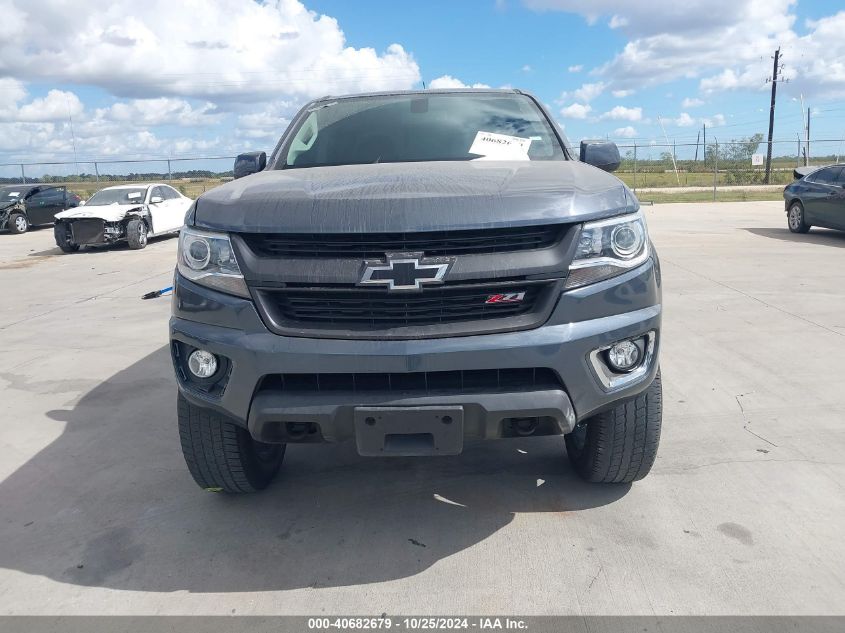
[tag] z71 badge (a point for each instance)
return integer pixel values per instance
(506, 297)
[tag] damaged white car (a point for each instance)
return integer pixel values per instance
(131, 213)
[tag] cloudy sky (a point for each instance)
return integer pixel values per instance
(122, 78)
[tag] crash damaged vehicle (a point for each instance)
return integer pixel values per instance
(23, 206)
(130, 213)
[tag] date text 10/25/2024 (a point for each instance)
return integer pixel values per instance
(417, 623)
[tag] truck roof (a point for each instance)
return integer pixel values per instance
(421, 92)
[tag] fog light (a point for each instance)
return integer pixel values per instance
(623, 356)
(202, 364)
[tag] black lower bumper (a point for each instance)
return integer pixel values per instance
(281, 417)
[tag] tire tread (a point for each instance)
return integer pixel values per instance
(217, 451)
(622, 442)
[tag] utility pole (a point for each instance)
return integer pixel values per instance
(704, 145)
(807, 155)
(774, 80)
(697, 139)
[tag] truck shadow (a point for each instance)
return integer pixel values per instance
(110, 503)
(822, 237)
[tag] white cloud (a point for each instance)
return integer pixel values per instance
(57, 105)
(268, 123)
(670, 40)
(625, 132)
(587, 92)
(621, 94)
(621, 113)
(577, 68)
(691, 102)
(617, 22)
(811, 62)
(241, 65)
(728, 79)
(659, 16)
(447, 81)
(12, 91)
(575, 111)
(716, 120)
(231, 49)
(684, 120)
(527, 68)
(160, 111)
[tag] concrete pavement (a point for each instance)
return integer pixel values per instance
(742, 514)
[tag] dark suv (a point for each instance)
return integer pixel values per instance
(410, 270)
(22, 206)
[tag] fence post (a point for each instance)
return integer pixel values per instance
(635, 168)
(715, 170)
(23, 175)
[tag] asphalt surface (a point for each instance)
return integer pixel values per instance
(742, 513)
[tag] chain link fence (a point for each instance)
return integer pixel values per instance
(720, 165)
(645, 166)
(191, 176)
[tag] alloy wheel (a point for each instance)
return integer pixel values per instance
(795, 217)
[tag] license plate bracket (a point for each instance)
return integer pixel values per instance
(409, 431)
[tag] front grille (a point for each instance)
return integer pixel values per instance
(87, 231)
(377, 310)
(485, 380)
(375, 245)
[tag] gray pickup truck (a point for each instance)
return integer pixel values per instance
(412, 270)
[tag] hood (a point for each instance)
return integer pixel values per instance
(107, 212)
(399, 197)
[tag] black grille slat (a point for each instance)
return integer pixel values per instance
(378, 310)
(516, 379)
(375, 245)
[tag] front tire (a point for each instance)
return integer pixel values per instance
(136, 234)
(795, 218)
(17, 223)
(619, 445)
(64, 239)
(222, 456)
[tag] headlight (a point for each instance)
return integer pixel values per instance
(208, 259)
(608, 248)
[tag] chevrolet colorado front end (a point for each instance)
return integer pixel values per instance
(410, 270)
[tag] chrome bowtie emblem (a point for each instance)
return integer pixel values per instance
(405, 271)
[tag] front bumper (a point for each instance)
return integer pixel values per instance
(584, 320)
(4, 216)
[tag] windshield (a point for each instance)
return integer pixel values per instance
(422, 127)
(134, 195)
(11, 194)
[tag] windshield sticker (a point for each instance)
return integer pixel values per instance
(492, 146)
(133, 194)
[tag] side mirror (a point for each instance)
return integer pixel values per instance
(249, 163)
(601, 154)
(156, 199)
